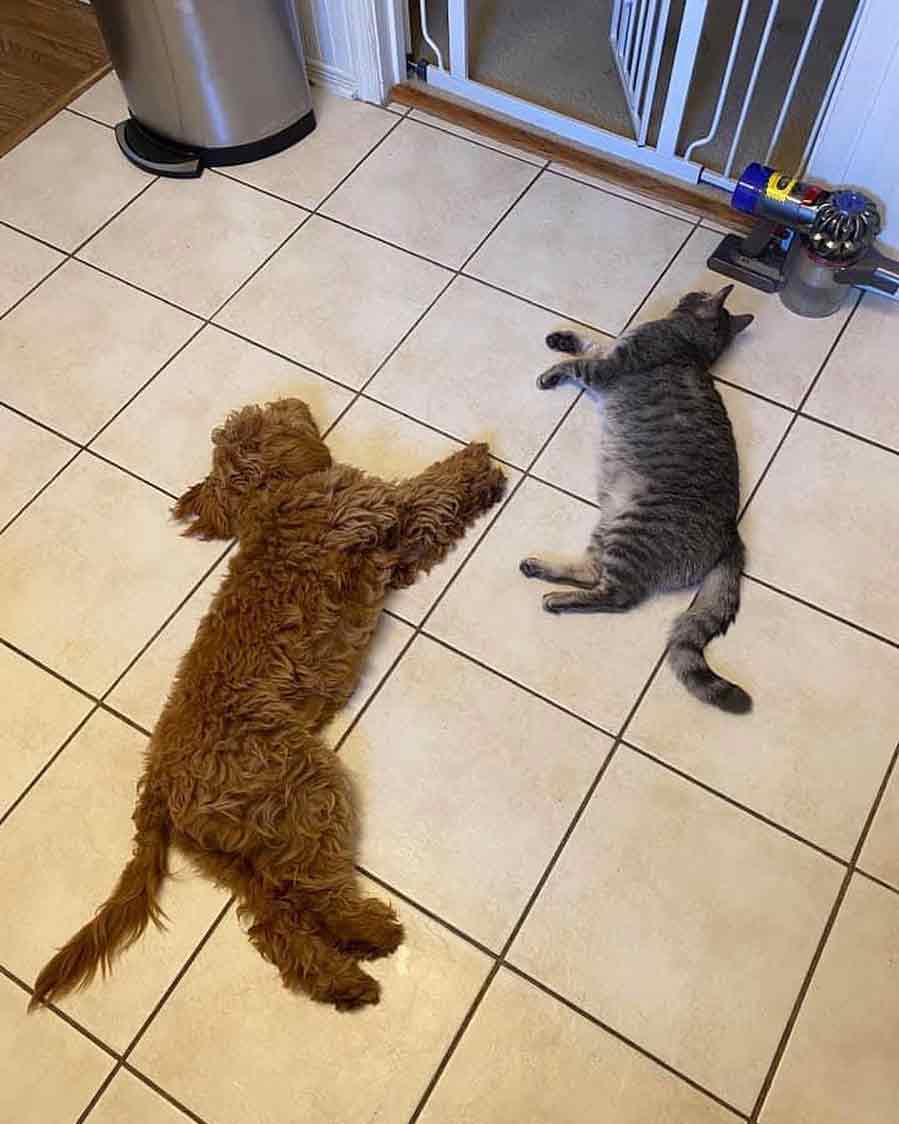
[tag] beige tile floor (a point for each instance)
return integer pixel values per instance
(620, 906)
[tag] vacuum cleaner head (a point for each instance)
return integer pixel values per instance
(808, 243)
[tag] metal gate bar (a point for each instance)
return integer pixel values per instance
(750, 89)
(725, 82)
(797, 70)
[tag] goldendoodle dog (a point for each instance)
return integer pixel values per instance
(237, 775)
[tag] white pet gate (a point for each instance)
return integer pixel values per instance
(638, 34)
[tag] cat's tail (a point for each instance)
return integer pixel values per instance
(125, 914)
(710, 615)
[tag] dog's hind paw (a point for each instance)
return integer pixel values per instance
(353, 990)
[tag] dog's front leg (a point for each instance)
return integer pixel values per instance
(438, 506)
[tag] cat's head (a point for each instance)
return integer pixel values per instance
(711, 327)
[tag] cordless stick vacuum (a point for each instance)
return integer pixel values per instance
(808, 244)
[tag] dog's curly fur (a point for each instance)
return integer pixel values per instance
(237, 775)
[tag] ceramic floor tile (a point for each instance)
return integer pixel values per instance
(686, 925)
(29, 456)
(595, 665)
(164, 435)
(524, 1048)
(430, 192)
(194, 242)
(477, 384)
(686, 213)
(73, 833)
(23, 262)
(393, 447)
(43, 193)
(335, 300)
(231, 1016)
(391, 636)
(880, 856)
(585, 253)
(141, 692)
(116, 569)
(858, 389)
(129, 1101)
(478, 138)
(499, 774)
(105, 101)
(840, 1064)
(39, 713)
(107, 341)
(345, 131)
(50, 1070)
(570, 459)
(788, 759)
(779, 354)
(822, 526)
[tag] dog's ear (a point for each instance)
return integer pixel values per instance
(206, 504)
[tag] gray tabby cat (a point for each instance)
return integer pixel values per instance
(669, 483)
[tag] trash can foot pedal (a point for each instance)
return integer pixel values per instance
(155, 155)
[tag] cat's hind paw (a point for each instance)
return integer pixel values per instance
(531, 567)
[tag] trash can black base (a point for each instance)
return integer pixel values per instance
(164, 157)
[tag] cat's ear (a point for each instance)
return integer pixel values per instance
(710, 308)
(740, 323)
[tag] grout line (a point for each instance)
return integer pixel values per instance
(541, 162)
(877, 881)
(429, 913)
(796, 411)
(341, 741)
(59, 1013)
(822, 943)
(48, 764)
(454, 1042)
(122, 717)
(622, 1038)
(166, 1096)
(40, 491)
(179, 976)
(560, 170)
(41, 424)
(820, 609)
(49, 670)
(34, 238)
(848, 433)
(595, 726)
(130, 472)
(734, 803)
(140, 289)
(754, 393)
(87, 116)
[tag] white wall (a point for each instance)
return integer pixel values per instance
(859, 143)
(327, 44)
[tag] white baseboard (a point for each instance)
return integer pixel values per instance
(332, 78)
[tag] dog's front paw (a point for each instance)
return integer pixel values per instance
(531, 567)
(551, 378)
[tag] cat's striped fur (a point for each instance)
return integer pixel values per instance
(668, 483)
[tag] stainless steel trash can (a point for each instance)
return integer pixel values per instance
(208, 82)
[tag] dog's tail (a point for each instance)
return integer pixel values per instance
(709, 616)
(123, 917)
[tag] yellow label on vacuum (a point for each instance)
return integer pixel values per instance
(779, 186)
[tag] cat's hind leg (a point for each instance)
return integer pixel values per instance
(584, 572)
(605, 597)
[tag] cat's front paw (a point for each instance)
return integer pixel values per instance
(569, 342)
(531, 567)
(551, 378)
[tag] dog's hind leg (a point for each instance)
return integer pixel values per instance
(364, 927)
(307, 961)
